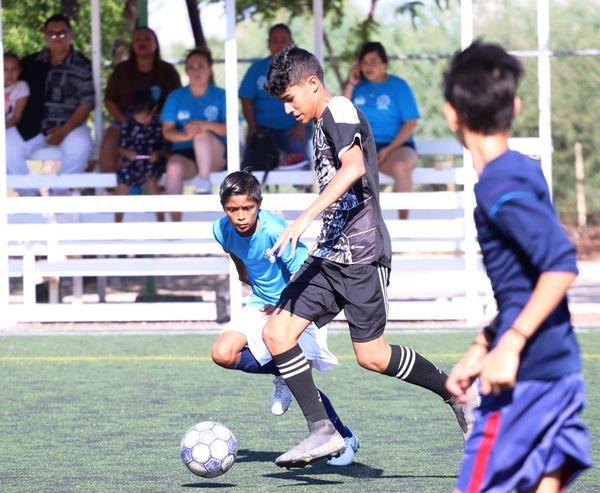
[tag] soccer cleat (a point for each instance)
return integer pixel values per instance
(323, 442)
(281, 398)
(464, 414)
(346, 457)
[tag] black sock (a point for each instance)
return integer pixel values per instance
(296, 371)
(408, 365)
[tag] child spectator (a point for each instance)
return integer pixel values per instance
(16, 91)
(142, 149)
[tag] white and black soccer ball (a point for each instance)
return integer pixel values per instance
(208, 449)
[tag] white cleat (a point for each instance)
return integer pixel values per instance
(346, 457)
(281, 398)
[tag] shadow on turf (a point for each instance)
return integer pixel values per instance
(209, 485)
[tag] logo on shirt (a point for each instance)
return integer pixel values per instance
(359, 100)
(383, 102)
(183, 115)
(260, 82)
(211, 113)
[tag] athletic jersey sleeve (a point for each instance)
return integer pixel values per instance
(408, 108)
(291, 261)
(343, 127)
(248, 87)
(524, 215)
(169, 111)
(217, 227)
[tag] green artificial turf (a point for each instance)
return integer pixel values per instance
(106, 414)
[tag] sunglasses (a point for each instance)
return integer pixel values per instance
(62, 34)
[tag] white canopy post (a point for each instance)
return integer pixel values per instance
(233, 134)
(97, 74)
(544, 95)
(318, 29)
(4, 277)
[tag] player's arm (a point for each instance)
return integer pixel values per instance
(241, 269)
(500, 370)
(352, 169)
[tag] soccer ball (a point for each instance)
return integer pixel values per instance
(208, 449)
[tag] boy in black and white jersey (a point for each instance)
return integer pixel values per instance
(349, 267)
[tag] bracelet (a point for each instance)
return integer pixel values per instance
(519, 331)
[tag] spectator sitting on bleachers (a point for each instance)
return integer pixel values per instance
(143, 69)
(193, 120)
(60, 101)
(388, 103)
(268, 123)
(142, 149)
(16, 91)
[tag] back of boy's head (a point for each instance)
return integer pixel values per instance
(240, 183)
(143, 101)
(481, 85)
(291, 67)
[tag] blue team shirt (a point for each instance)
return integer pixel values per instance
(268, 110)
(387, 106)
(521, 238)
(182, 106)
(267, 279)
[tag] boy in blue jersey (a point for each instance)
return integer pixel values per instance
(528, 435)
(248, 234)
(349, 267)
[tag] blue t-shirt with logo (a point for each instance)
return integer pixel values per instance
(268, 110)
(182, 107)
(268, 276)
(387, 106)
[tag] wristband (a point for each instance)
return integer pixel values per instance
(519, 331)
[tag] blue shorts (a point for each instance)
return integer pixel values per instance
(524, 434)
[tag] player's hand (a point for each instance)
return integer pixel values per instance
(465, 372)
(499, 370)
(267, 309)
(291, 235)
(154, 156)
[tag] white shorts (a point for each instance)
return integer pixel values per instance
(313, 340)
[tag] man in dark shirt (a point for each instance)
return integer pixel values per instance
(62, 96)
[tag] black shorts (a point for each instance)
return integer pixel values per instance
(321, 289)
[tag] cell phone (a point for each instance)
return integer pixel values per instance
(142, 156)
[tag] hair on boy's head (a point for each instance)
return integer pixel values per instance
(291, 67)
(57, 18)
(481, 85)
(370, 47)
(9, 55)
(143, 101)
(240, 183)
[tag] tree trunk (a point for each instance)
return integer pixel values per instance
(194, 15)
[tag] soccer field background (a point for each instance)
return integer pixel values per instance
(105, 413)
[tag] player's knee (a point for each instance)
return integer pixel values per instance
(223, 356)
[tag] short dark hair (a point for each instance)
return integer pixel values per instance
(281, 26)
(290, 67)
(10, 54)
(143, 101)
(481, 85)
(240, 183)
(205, 52)
(57, 18)
(373, 46)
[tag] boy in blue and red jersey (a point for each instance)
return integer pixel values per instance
(528, 435)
